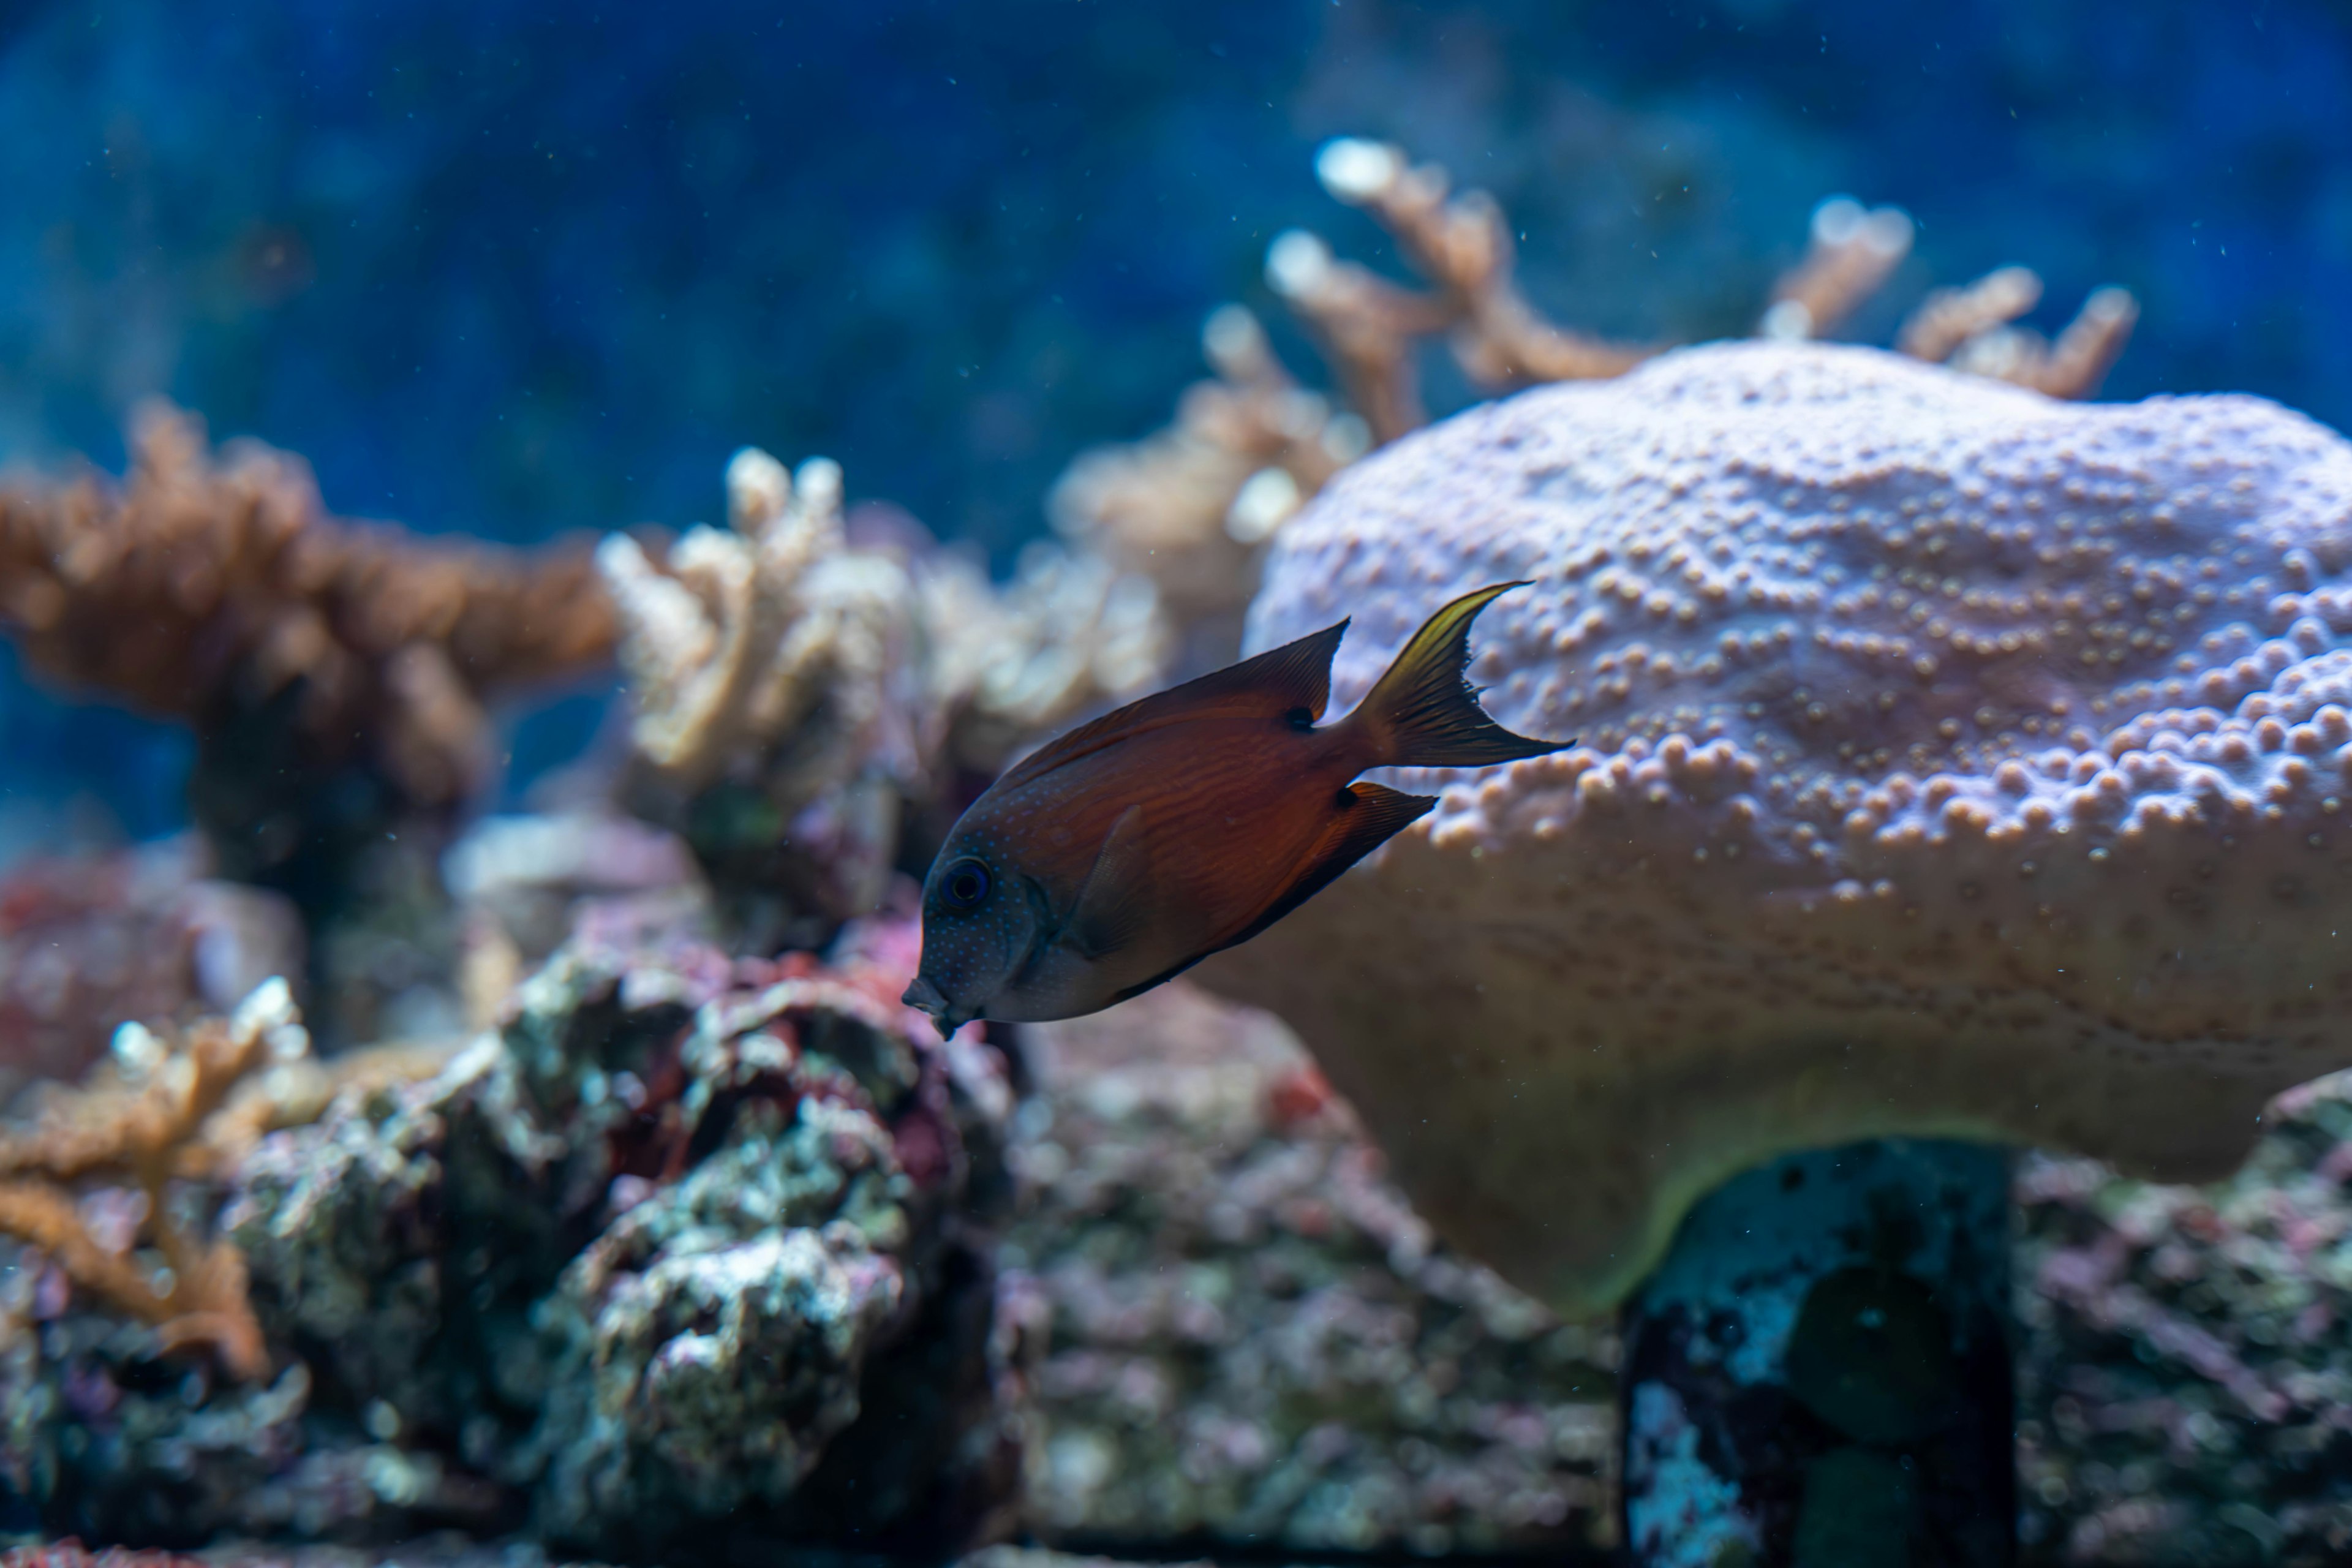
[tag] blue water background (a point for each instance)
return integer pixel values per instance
(513, 269)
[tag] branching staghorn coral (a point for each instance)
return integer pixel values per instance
(142, 1130)
(753, 631)
(1462, 244)
(1006, 664)
(2070, 367)
(1850, 252)
(779, 692)
(220, 593)
(1190, 506)
(1193, 504)
(797, 693)
(91, 1180)
(1969, 328)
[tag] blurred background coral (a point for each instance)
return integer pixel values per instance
(499, 270)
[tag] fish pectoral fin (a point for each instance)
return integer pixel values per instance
(1112, 908)
(1374, 815)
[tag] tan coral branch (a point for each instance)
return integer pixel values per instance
(1190, 506)
(143, 1123)
(1948, 318)
(1970, 329)
(1850, 252)
(197, 587)
(2079, 361)
(1461, 245)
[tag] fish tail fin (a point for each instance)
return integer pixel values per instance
(1423, 714)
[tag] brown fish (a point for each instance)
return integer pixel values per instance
(1132, 847)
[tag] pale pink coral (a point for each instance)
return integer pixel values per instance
(1954, 761)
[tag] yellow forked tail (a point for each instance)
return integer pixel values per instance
(1423, 714)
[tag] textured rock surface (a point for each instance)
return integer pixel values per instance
(687, 1234)
(815, 1265)
(1242, 1336)
(1955, 762)
(2186, 1365)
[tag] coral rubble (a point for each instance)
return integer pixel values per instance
(805, 1178)
(220, 593)
(527, 878)
(1937, 738)
(1243, 1334)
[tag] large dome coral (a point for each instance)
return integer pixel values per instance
(1954, 761)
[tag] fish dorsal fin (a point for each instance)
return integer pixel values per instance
(1294, 678)
(1423, 714)
(1114, 905)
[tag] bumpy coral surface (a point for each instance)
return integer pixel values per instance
(1954, 761)
(1242, 1334)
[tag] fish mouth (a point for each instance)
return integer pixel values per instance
(925, 997)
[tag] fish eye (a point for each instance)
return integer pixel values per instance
(965, 885)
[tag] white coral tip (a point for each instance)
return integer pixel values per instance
(620, 559)
(2110, 303)
(1265, 502)
(1788, 319)
(269, 1006)
(1347, 437)
(1889, 231)
(1231, 334)
(819, 483)
(1837, 221)
(136, 1051)
(1296, 264)
(1355, 169)
(758, 488)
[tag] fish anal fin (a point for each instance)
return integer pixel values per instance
(1375, 814)
(1295, 677)
(1423, 714)
(1112, 908)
